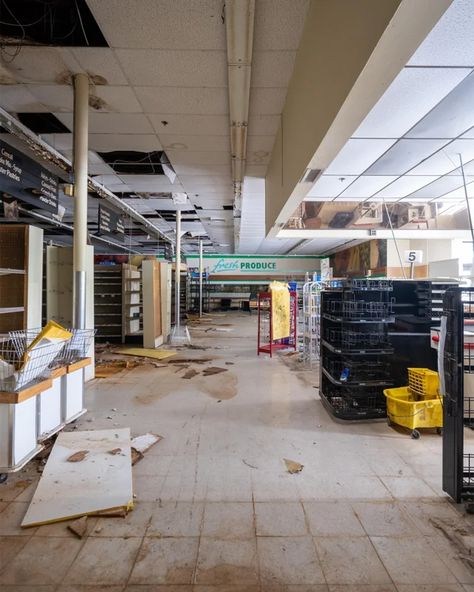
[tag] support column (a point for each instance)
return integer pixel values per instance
(200, 278)
(80, 158)
(177, 276)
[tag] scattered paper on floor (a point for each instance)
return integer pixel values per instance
(99, 482)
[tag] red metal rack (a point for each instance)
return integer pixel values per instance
(265, 342)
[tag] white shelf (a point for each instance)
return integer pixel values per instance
(8, 271)
(8, 310)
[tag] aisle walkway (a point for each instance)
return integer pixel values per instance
(216, 508)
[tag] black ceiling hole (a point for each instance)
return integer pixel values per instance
(61, 23)
(131, 162)
(227, 207)
(43, 123)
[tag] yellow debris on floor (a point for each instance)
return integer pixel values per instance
(157, 354)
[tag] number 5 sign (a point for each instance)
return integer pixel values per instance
(414, 257)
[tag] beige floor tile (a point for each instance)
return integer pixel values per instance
(134, 525)
(32, 588)
(280, 519)
(148, 488)
(79, 588)
(42, 561)
(430, 588)
(10, 520)
(422, 514)
(450, 556)
(10, 547)
(60, 529)
(227, 562)
(229, 588)
(176, 519)
(288, 560)
(228, 520)
(294, 588)
(104, 561)
(412, 561)
(332, 519)
(350, 560)
(166, 561)
(365, 588)
(15, 485)
(384, 519)
(271, 487)
(409, 487)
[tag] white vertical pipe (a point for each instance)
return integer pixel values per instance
(177, 277)
(200, 278)
(80, 157)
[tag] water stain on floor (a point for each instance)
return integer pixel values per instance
(219, 386)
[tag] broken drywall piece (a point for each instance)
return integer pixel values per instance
(115, 451)
(100, 482)
(78, 456)
(145, 442)
(78, 527)
(143, 352)
(293, 466)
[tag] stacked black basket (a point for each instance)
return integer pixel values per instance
(356, 348)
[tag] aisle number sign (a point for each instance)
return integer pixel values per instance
(414, 257)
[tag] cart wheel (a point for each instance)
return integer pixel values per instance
(3, 477)
(439, 431)
(415, 434)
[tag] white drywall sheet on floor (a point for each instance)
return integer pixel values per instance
(101, 481)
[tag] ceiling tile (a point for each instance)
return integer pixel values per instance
(152, 67)
(450, 43)
(97, 61)
(111, 142)
(112, 123)
(447, 159)
(183, 157)
(403, 156)
(367, 186)
(256, 170)
(56, 98)
(195, 125)
(176, 24)
(59, 142)
(195, 101)
(208, 181)
(190, 142)
(357, 155)
(267, 101)
(272, 68)
(329, 186)
(120, 99)
(439, 187)
(278, 25)
(421, 88)
(263, 125)
(204, 170)
(17, 98)
(404, 186)
(451, 117)
(154, 183)
(40, 65)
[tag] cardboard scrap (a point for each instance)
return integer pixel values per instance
(136, 456)
(143, 352)
(115, 451)
(78, 456)
(145, 442)
(213, 370)
(78, 527)
(293, 466)
(190, 374)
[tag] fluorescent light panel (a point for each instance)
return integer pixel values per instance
(357, 155)
(329, 186)
(366, 186)
(404, 155)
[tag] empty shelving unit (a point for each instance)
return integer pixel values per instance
(355, 348)
(108, 303)
(131, 301)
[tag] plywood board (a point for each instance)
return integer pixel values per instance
(101, 481)
(157, 354)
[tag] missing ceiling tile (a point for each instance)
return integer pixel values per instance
(133, 162)
(43, 123)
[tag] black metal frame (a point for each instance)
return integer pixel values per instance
(458, 408)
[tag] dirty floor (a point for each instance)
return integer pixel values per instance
(216, 509)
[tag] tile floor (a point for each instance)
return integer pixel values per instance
(216, 510)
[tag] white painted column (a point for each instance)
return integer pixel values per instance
(200, 278)
(177, 277)
(80, 158)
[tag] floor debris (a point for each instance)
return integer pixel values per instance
(293, 466)
(101, 481)
(229, 363)
(78, 456)
(190, 360)
(213, 370)
(143, 352)
(144, 442)
(190, 374)
(115, 451)
(248, 464)
(78, 527)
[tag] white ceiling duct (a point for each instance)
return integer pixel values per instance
(239, 24)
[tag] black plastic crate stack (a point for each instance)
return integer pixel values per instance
(356, 348)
